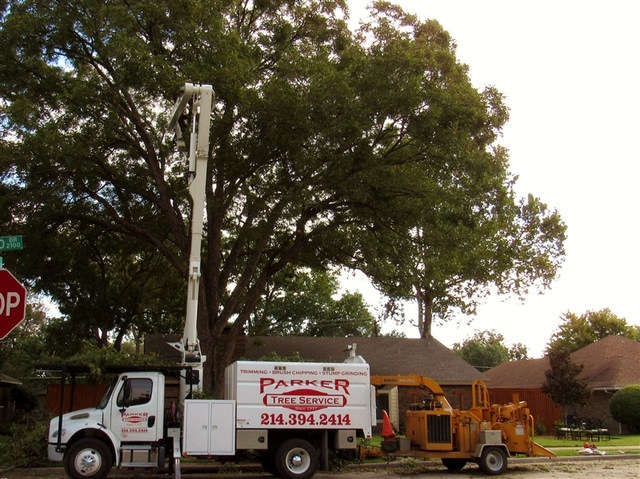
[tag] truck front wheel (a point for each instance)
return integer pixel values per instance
(493, 461)
(88, 458)
(296, 459)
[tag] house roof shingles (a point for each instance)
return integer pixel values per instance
(524, 374)
(386, 356)
(610, 363)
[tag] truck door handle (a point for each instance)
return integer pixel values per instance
(151, 421)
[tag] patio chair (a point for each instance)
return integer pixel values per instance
(563, 431)
(598, 431)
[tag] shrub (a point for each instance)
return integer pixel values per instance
(625, 407)
(540, 429)
(26, 446)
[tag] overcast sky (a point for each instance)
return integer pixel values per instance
(569, 71)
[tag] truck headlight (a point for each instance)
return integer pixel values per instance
(55, 433)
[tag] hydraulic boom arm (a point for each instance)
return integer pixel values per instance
(201, 98)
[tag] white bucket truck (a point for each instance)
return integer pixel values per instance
(288, 414)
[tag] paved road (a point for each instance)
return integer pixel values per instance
(592, 467)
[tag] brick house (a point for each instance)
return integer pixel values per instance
(386, 357)
(609, 365)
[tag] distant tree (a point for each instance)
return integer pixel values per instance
(394, 333)
(273, 356)
(486, 349)
(563, 382)
(576, 332)
(625, 407)
(518, 351)
(307, 302)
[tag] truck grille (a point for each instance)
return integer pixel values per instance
(439, 429)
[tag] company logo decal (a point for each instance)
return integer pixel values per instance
(135, 418)
(304, 395)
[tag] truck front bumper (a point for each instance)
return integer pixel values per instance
(53, 454)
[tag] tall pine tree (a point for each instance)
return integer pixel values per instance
(563, 382)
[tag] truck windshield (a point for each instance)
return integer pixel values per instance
(107, 395)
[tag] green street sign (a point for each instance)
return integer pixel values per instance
(10, 243)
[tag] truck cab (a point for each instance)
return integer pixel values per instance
(125, 429)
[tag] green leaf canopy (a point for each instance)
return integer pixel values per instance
(369, 149)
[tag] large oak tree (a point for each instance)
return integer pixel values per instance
(368, 149)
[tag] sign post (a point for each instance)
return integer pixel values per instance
(13, 303)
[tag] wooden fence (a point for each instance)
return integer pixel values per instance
(540, 405)
(84, 396)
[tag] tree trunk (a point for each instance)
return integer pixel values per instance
(425, 311)
(428, 316)
(419, 299)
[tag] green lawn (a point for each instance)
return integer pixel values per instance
(615, 441)
(569, 447)
(629, 444)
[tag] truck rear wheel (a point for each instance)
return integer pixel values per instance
(88, 458)
(296, 459)
(493, 461)
(454, 464)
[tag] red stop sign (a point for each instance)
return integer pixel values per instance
(13, 302)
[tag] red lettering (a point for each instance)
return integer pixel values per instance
(342, 384)
(282, 400)
(336, 384)
(264, 382)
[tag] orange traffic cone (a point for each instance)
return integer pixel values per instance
(387, 430)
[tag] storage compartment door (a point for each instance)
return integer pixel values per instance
(223, 435)
(196, 427)
(209, 427)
